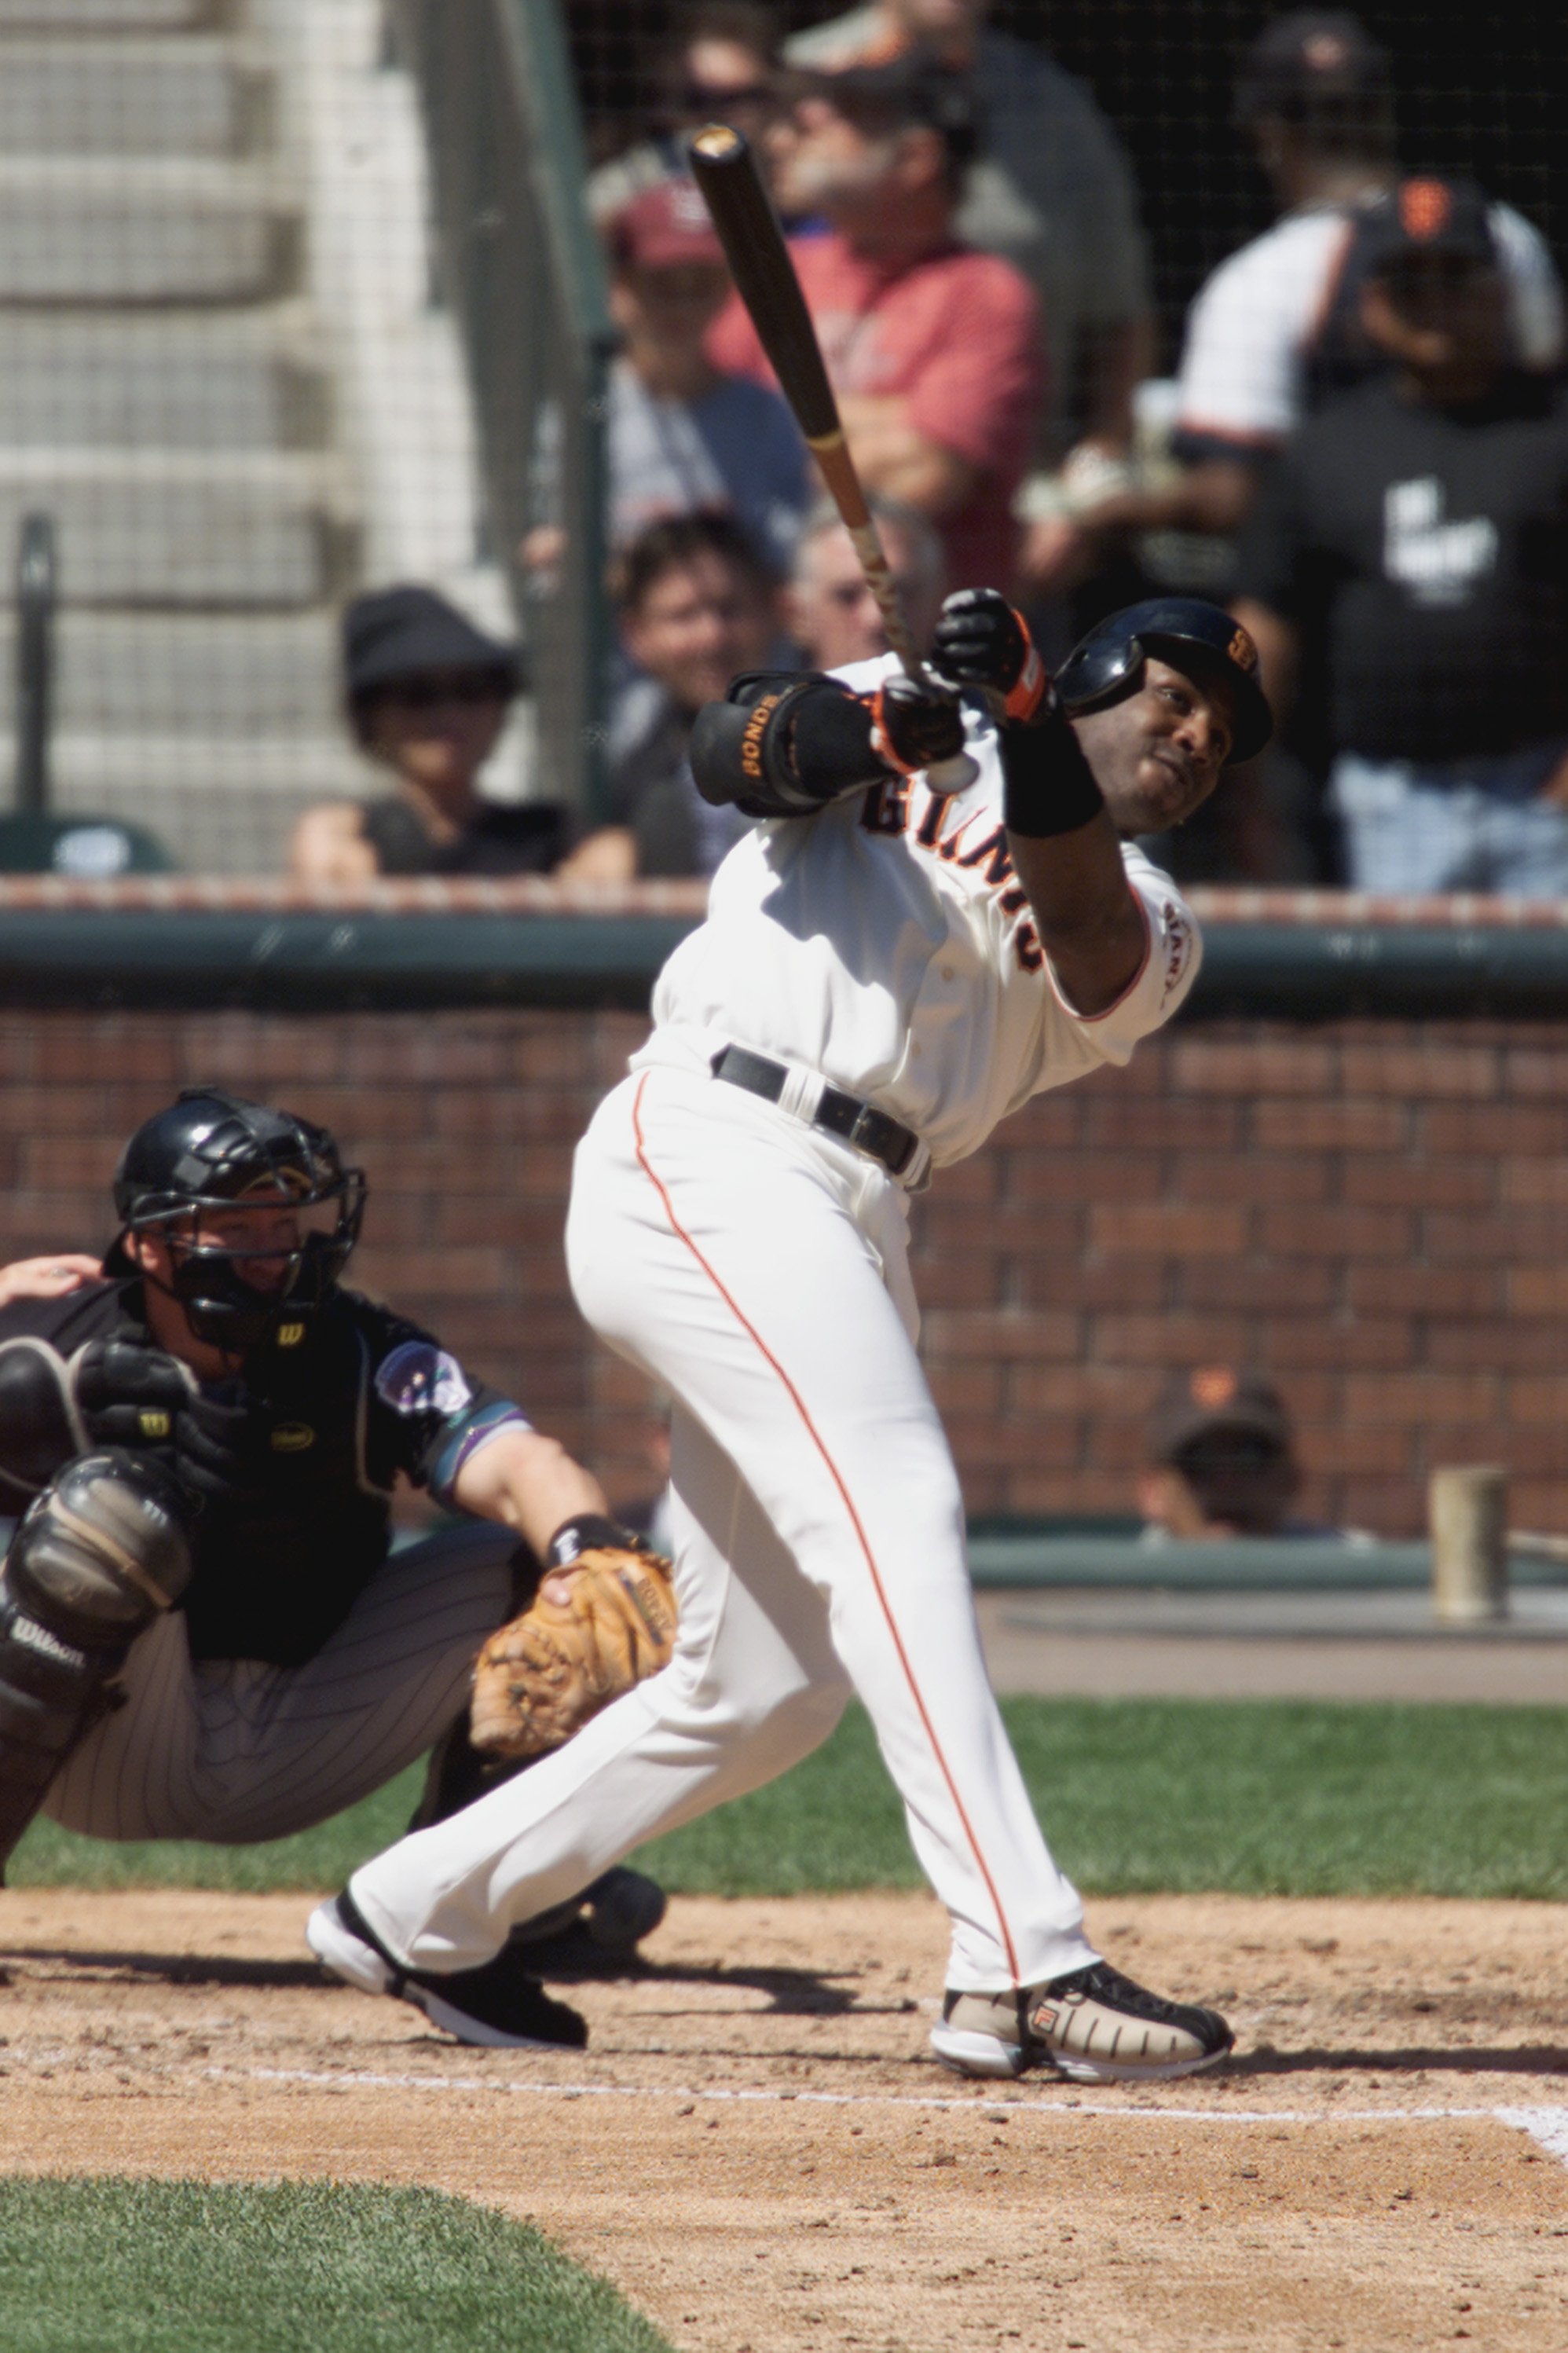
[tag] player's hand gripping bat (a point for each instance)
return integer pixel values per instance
(726, 172)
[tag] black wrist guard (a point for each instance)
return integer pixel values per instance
(1047, 785)
(589, 1532)
(783, 743)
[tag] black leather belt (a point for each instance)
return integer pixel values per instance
(859, 1123)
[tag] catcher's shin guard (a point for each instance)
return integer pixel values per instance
(101, 1551)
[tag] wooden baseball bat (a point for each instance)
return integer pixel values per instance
(741, 211)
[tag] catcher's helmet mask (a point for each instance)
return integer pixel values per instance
(212, 1151)
(1189, 633)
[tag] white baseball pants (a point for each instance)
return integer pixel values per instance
(758, 1270)
(235, 1751)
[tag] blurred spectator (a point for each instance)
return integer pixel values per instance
(831, 613)
(1276, 330)
(427, 695)
(932, 350)
(1222, 1462)
(1050, 190)
(719, 64)
(695, 605)
(1418, 530)
(682, 435)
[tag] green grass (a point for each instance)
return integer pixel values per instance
(194, 2267)
(1284, 1797)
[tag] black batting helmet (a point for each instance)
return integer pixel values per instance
(210, 1150)
(1109, 662)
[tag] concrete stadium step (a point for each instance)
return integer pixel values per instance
(111, 229)
(194, 94)
(176, 528)
(233, 676)
(129, 379)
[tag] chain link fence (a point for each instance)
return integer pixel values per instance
(301, 299)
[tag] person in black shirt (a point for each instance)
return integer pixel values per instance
(203, 1631)
(427, 695)
(1414, 539)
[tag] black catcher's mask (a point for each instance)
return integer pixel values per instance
(211, 1151)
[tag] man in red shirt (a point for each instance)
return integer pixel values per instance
(933, 349)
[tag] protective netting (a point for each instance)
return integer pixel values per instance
(295, 308)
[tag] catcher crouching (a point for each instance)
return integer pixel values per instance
(205, 1632)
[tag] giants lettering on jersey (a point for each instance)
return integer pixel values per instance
(1178, 948)
(886, 809)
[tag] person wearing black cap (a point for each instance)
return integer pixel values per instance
(1275, 331)
(1221, 1462)
(933, 349)
(205, 1631)
(1416, 537)
(426, 694)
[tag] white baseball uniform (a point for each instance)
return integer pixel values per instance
(757, 1268)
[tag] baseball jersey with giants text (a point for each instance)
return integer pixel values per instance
(886, 943)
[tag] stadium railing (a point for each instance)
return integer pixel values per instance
(178, 940)
(522, 272)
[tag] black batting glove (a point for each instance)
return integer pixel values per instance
(914, 724)
(981, 641)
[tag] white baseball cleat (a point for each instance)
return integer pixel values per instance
(1094, 2026)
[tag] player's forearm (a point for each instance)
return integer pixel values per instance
(1214, 497)
(1090, 925)
(895, 459)
(530, 1482)
(1064, 848)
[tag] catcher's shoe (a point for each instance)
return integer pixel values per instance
(608, 1921)
(1094, 2026)
(498, 2005)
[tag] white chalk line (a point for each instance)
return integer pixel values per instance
(1547, 2125)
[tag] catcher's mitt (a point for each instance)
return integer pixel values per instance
(540, 1678)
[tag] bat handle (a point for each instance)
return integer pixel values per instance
(947, 776)
(943, 777)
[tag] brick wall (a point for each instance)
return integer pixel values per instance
(1373, 1213)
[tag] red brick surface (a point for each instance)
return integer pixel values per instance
(1375, 1214)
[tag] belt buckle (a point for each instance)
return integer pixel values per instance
(860, 1133)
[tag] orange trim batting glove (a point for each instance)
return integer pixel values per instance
(913, 725)
(981, 641)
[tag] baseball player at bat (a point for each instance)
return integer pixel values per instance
(884, 973)
(204, 1632)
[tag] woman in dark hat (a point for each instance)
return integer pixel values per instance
(427, 695)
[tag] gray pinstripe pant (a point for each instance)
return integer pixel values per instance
(235, 1751)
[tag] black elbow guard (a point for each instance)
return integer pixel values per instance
(783, 743)
(1047, 785)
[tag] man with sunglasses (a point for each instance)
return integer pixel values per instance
(203, 1632)
(427, 695)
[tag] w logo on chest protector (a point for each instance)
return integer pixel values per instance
(1438, 561)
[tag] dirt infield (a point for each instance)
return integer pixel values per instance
(757, 2151)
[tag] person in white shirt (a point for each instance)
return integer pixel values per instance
(884, 974)
(1274, 332)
